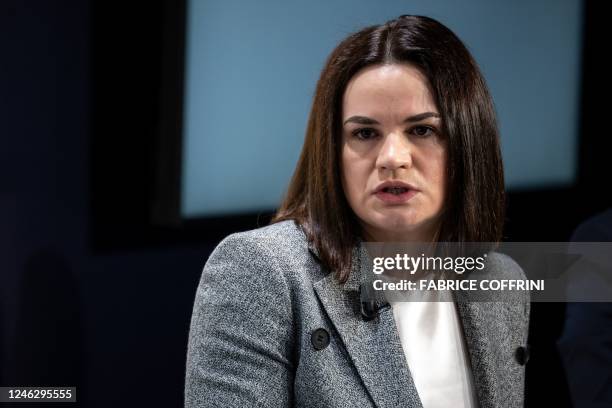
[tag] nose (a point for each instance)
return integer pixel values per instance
(395, 152)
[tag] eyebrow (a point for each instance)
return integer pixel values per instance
(364, 120)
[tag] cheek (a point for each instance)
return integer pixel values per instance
(432, 166)
(354, 175)
(437, 173)
(346, 179)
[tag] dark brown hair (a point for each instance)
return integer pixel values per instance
(474, 211)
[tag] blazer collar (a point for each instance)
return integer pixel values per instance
(375, 347)
(480, 321)
(358, 252)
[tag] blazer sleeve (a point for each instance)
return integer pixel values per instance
(241, 334)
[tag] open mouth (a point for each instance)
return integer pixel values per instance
(396, 194)
(395, 190)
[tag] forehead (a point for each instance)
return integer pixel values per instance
(388, 91)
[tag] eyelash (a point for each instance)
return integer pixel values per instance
(357, 132)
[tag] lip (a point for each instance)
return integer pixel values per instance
(390, 198)
(393, 183)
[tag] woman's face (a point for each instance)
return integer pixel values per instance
(391, 133)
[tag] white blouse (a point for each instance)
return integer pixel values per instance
(434, 346)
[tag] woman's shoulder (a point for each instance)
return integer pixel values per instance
(277, 252)
(272, 240)
(288, 229)
(502, 266)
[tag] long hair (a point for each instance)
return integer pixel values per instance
(474, 210)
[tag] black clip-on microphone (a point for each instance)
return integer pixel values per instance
(371, 301)
(369, 310)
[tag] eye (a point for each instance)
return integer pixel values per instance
(364, 133)
(423, 131)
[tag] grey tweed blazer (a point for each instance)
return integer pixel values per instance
(263, 294)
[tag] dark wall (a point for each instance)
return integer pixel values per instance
(114, 325)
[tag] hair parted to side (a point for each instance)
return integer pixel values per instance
(474, 210)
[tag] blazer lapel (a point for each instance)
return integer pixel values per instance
(376, 351)
(478, 323)
(373, 346)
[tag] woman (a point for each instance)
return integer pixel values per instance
(401, 145)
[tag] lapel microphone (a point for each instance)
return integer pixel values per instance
(369, 310)
(372, 301)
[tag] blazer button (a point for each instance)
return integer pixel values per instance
(319, 339)
(522, 355)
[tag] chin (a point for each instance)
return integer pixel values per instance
(397, 225)
(400, 222)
